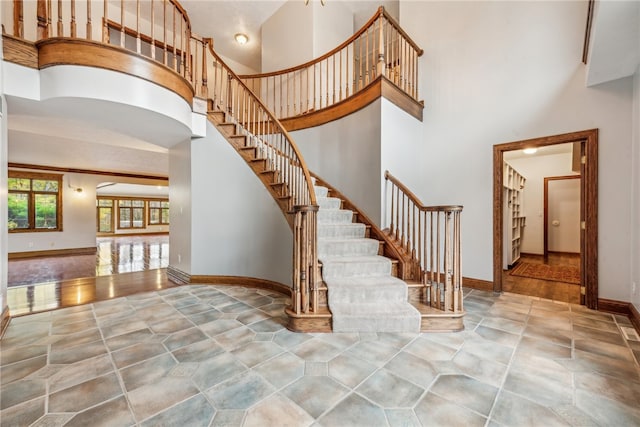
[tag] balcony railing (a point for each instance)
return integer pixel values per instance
(379, 48)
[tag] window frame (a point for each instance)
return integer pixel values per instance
(131, 208)
(31, 209)
(160, 209)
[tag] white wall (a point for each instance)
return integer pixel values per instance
(237, 228)
(635, 194)
(347, 154)
(332, 25)
(287, 48)
(535, 169)
(180, 213)
(485, 80)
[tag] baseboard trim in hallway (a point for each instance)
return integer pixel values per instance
(4, 322)
(482, 285)
(54, 252)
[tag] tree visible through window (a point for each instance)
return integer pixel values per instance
(34, 202)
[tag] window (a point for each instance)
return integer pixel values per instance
(158, 212)
(34, 202)
(105, 215)
(130, 213)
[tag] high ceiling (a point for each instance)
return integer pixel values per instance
(222, 19)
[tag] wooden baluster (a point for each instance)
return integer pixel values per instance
(432, 265)
(89, 35)
(152, 46)
(72, 27)
(205, 89)
(391, 231)
(42, 12)
(105, 19)
(175, 56)
(138, 40)
(333, 78)
(122, 24)
(164, 31)
(448, 291)
(413, 234)
(381, 53)
(340, 78)
(398, 214)
(49, 27)
(18, 18)
(347, 70)
(60, 27)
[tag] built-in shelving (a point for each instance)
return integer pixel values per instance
(513, 217)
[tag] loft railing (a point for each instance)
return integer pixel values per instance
(157, 29)
(272, 143)
(430, 237)
(160, 30)
(379, 48)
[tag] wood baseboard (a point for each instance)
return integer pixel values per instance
(55, 252)
(251, 282)
(634, 316)
(178, 276)
(4, 321)
(482, 285)
(613, 306)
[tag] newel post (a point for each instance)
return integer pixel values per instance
(18, 18)
(381, 66)
(305, 259)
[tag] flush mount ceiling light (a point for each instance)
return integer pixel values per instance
(529, 150)
(241, 38)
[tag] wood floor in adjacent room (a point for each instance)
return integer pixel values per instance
(558, 291)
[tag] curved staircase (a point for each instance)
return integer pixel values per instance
(363, 296)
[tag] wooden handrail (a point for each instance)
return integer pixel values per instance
(273, 124)
(430, 237)
(380, 47)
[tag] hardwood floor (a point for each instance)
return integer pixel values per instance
(559, 291)
(122, 266)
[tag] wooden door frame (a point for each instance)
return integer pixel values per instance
(588, 206)
(546, 206)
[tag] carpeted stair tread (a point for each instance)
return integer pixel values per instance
(329, 202)
(356, 290)
(346, 230)
(335, 216)
(351, 266)
(347, 247)
(321, 191)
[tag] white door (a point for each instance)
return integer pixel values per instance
(564, 215)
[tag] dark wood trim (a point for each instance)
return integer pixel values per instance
(482, 285)
(546, 207)
(614, 306)
(5, 320)
(50, 253)
(151, 233)
(67, 51)
(588, 202)
(86, 171)
(249, 282)
(380, 87)
(634, 316)
(587, 32)
(19, 51)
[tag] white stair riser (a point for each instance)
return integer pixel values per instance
(360, 294)
(333, 269)
(329, 203)
(341, 231)
(321, 191)
(347, 247)
(375, 324)
(334, 216)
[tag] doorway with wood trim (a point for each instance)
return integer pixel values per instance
(585, 145)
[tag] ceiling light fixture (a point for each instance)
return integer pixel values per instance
(322, 2)
(241, 38)
(529, 150)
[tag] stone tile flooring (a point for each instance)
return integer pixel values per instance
(212, 355)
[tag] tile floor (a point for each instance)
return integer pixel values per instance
(210, 356)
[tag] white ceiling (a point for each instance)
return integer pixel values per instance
(222, 19)
(132, 190)
(542, 151)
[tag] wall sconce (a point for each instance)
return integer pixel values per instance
(77, 190)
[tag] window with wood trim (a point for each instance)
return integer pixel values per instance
(158, 212)
(105, 215)
(34, 202)
(130, 213)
